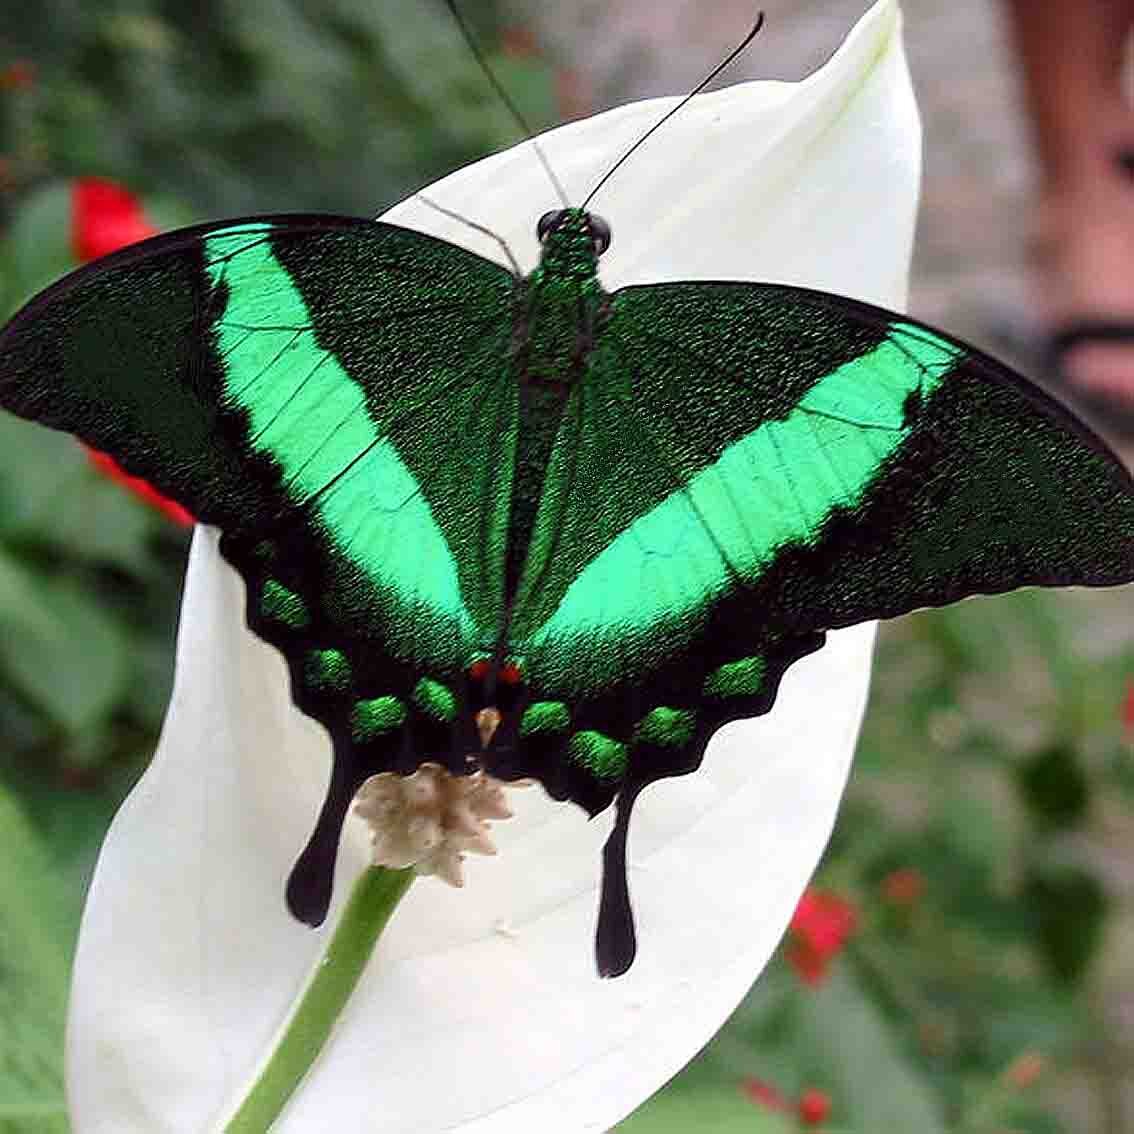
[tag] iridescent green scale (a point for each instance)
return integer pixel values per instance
(613, 519)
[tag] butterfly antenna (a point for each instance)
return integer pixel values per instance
(669, 114)
(505, 99)
(483, 229)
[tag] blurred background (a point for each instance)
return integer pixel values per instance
(964, 960)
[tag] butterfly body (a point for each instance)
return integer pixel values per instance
(525, 525)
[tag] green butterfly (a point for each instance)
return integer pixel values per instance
(530, 526)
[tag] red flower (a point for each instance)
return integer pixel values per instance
(104, 218)
(1127, 712)
(111, 468)
(819, 928)
(572, 94)
(1025, 1070)
(903, 887)
(814, 1107)
(764, 1094)
(18, 76)
(519, 41)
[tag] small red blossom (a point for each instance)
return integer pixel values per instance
(18, 76)
(519, 41)
(107, 465)
(814, 1107)
(819, 929)
(1127, 712)
(104, 218)
(903, 887)
(764, 1094)
(572, 94)
(1025, 1070)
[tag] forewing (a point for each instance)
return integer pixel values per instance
(333, 394)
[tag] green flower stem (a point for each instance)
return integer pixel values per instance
(375, 895)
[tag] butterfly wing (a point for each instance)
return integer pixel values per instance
(748, 466)
(333, 394)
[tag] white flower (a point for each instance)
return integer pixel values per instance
(481, 1011)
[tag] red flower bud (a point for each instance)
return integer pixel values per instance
(104, 218)
(1025, 1070)
(519, 41)
(820, 926)
(814, 1107)
(1127, 712)
(764, 1094)
(903, 887)
(18, 76)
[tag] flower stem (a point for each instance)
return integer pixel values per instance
(375, 895)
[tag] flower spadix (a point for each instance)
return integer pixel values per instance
(189, 963)
(429, 820)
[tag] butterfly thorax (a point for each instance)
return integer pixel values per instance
(558, 314)
(560, 305)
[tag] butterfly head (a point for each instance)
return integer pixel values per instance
(572, 240)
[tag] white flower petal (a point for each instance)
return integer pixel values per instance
(481, 1011)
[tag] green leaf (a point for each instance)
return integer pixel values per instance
(34, 950)
(52, 497)
(58, 648)
(1055, 787)
(34, 1118)
(1069, 908)
(39, 241)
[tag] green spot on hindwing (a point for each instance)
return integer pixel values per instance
(264, 551)
(543, 717)
(666, 727)
(601, 755)
(435, 700)
(376, 716)
(281, 605)
(327, 670)
(741, 678)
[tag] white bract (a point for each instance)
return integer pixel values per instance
(481, 1011)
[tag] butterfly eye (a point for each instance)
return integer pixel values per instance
(600, 233)
(478, 671)
(548, 223)
(510, 674)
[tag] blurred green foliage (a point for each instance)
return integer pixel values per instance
(991, 768)
(241, 106)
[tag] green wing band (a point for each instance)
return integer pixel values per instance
(308, 414)
(776, 486)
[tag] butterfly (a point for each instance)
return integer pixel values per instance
(524, 525)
